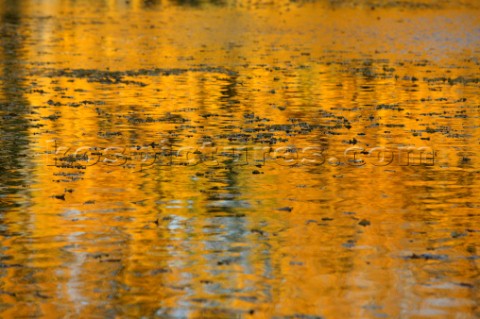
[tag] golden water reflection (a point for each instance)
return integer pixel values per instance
(224, 159)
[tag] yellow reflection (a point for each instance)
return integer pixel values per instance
(171, 225)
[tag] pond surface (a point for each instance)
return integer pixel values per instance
(237, 159)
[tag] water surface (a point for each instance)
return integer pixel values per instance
(230, 159)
